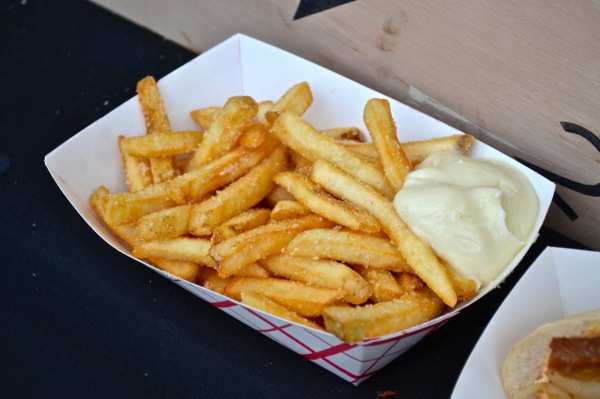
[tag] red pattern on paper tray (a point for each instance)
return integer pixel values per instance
(353, 362)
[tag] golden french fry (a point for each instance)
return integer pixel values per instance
(260, 242)
(239, 196)
(322, 273)
(409, 281)
(301, 165)
(278, 194)
(253, 136)
(204, 117)
(345, 133)
(157, 122)
(353, 324)
(128, 207)
(195, 185)
(289, 209)
(381, 126)
(163, 224)
(320, 202)
(303, 299)
(162, 145)
(223, 133)
(417, 253)
(185, 270)
(465, 288)
(350, 247)
(180, 248)
(253, 270)
(417, 151)
(263, 108)
(137, 171)
(300, 136)
(364, 150)
(262, 303)
(384, 283)
(128, 233)
(210, 279)
(297, 99)
(238, 224)
(98, 202)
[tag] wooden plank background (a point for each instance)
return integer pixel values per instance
(523, 77)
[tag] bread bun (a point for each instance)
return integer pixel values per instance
(527, 361)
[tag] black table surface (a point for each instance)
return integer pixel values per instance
(78, 319)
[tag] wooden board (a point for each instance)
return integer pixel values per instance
(523, 77)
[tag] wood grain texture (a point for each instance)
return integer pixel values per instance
(507, 72)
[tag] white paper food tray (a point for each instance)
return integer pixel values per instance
(244, 66)
(561, 282)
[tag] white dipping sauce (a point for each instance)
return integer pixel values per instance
(475, 214)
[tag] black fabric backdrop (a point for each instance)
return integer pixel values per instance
(78, 319)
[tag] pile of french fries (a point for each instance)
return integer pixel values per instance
(259, 205)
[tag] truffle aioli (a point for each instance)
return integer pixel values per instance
(475, 214)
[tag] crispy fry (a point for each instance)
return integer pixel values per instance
(222, 134)
(253, 136)
(180, 248)
(417, 151)
(195, 185)
(128, 207)
(162, 145)
(185, 270)
(163, 224)
(322, 273)
(381, 126)
(303, 299)
(239, 196)
(289, 209)
(204, 117)
(210, 279)
(346, 246)
(260, 242)
(261, 115)
(137, 171)
(278, 194)
(238, 224)
(262, 303)
(157, 122)
(253, 270)
(409, 281)
(353, 324)
(465, 288)
(384, 283)
(296, 99)
(98, 202)
(320, 202)
(345, 133)
(300, 136)
(417, 253)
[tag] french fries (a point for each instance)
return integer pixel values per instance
(224, 131)
(260, 206)
(417, 253)
(157, 122)
(299, 135)
(351, 247)
(323, 273)
(354, 324)
(317, 200)
(378, 118)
